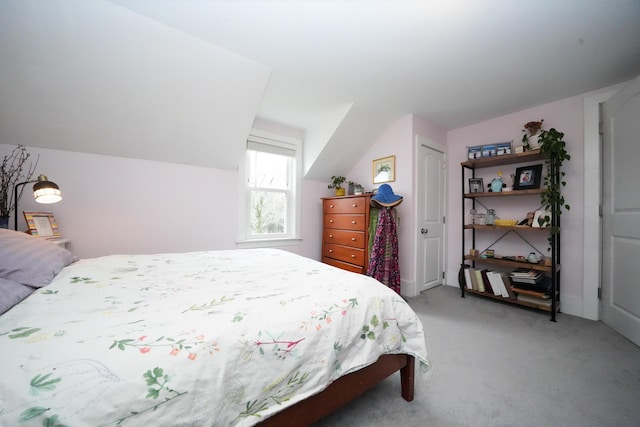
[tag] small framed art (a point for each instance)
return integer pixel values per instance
(503, 148)
(384, 169)
(474, 152)
(528, 177)
(476, 185)
(489, 150)
(42, 224)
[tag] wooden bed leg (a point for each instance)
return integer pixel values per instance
(407, 378)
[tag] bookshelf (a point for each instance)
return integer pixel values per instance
(470, 232)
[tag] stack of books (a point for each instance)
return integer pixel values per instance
(531, 286)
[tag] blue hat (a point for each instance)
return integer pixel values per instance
(385, 197)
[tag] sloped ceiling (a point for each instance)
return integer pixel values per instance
(142, 77)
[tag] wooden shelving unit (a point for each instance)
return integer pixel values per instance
(469, 230)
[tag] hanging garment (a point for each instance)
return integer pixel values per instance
(383, 263)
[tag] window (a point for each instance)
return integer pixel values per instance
(271, 188)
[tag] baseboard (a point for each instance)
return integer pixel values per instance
(408, 288)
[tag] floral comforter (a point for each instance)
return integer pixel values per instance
(203, 338)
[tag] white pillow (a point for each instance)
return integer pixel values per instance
(29, 260)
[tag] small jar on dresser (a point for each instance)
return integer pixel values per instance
(345, 232)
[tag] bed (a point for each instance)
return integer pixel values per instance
(238, 337)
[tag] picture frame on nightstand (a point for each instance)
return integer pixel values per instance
(42, 224)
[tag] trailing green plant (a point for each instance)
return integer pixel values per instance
(337, 181)
(553, 147)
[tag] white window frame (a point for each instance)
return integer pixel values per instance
(245, 238)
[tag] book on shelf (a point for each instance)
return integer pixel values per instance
(507, 284)
(480, 281)
(544, 285)
(474, 279)
(497, 284)
(467, 277)
(485, 280)
(536, 294)
(534, 300)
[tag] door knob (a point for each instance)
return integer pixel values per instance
(424, 230)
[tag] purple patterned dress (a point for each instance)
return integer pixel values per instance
(383, 263)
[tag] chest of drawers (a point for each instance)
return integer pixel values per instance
(345, 235)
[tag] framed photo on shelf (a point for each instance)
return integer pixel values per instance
(474, 152)
(476, 185)
(503, 148)
(489, 150)
(528, 177)
(541, 219)
(384, 170)
(42, 224)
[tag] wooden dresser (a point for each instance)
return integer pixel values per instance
(345, 234)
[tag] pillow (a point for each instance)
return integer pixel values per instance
(29, 260)
(12, 293)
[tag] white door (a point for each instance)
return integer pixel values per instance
(430, 233)
(621, 212)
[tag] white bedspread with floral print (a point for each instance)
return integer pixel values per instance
(203, 338)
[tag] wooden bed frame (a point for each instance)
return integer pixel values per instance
(345, 389)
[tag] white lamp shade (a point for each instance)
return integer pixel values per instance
(47, 195)
(45, 191)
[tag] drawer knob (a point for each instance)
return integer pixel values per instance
(354, 205)
(330, 251)
(353, 256)
(353, 239)
(331, 236)
(330, 206)
(330, 220)
(353, 222)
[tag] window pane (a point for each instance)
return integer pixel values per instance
(267, 170)
(268, 210)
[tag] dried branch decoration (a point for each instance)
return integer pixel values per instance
(13, 170)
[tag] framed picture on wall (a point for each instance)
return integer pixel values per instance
(42, 224)
(384, 170)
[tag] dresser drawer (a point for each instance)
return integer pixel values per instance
(354, 239)
(346, 205)
(344, 265)
(345, 221)
(344, 253)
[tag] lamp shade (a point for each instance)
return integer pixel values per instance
(45, 191)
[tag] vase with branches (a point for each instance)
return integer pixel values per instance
(14, 169)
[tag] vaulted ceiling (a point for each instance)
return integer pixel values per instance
(183, 80)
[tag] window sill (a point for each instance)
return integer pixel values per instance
(268, 243)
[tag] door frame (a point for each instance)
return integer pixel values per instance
(419, 141)
(592, 259)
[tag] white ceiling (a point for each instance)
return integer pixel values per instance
(339, 71)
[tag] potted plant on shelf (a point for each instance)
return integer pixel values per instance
(336, 182)
(553, 147)
(532, 133)
(14, 169)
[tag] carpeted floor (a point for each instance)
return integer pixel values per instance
(494, 364)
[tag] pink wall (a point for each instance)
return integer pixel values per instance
(399, 140)
(120, 205)
(566, 116)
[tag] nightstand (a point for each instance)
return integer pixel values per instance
(61, 242)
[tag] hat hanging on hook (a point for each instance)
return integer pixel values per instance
(385, 197)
